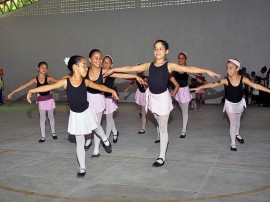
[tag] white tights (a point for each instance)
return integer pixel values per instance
(100, 132)
(110, 127)
(235, 119)
(162, 121)
(80, 150)
(184, 109)
(143, 117)
(42, 121)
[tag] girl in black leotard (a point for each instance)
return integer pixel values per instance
(110, 102)
(140, 98)
(234, 101)
(45, 100)
(95, 98)
(82, 119)
(158, 97)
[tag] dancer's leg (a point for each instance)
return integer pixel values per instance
(80, 151)
(184, 109)
(143, 117)
(96, 139)
(233, 127)
(52, 121)
(110, 127)
(163, 128)
(42, 120)
(158, 132)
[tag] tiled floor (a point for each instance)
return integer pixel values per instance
(200, 167)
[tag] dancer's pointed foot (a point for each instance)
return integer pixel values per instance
(240, 139)
(142, 131)
(54, 136)
(115, 137)
(108, 148)
(42, 140)
(81, 173)
(183, 135)
(158, 163)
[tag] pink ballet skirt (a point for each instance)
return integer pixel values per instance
(96, 102)
(231, 107)
(160, 104)
(140, 98)
(45, 102)
(111, 105)
(183, 95)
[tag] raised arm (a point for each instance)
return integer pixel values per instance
(29, 83)
(102, 88)
(58, 84)
(190, 69)
(255, 85)
(136, 68)
(176, 86)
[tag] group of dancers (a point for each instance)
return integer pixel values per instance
(89, 98)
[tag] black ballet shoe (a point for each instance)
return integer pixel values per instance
(95, 155)
(157, 164)
(42, 140)
(183, 135)
(115, 140)
(157, 141)
(79, 174)
(240, 139)
(54, 136)
(108, 148)
(87, 147)
(233, 148)
(142, 131)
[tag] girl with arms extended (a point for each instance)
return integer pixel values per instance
(183, 95)
(158, 98)
(96, 98)
(82, 119)
(110, 102)
(45, 100)
(234, 101)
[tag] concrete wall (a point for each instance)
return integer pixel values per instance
(209, 32)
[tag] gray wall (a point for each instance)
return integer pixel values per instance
(209, 32)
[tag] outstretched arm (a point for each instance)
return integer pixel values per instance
(51, 79)
(211, 85)
(58, 84)
(255, 85)
(128, 76)
(176, 86)
(29, 83)
(136, 68)
(190, 69)
(102, 88)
